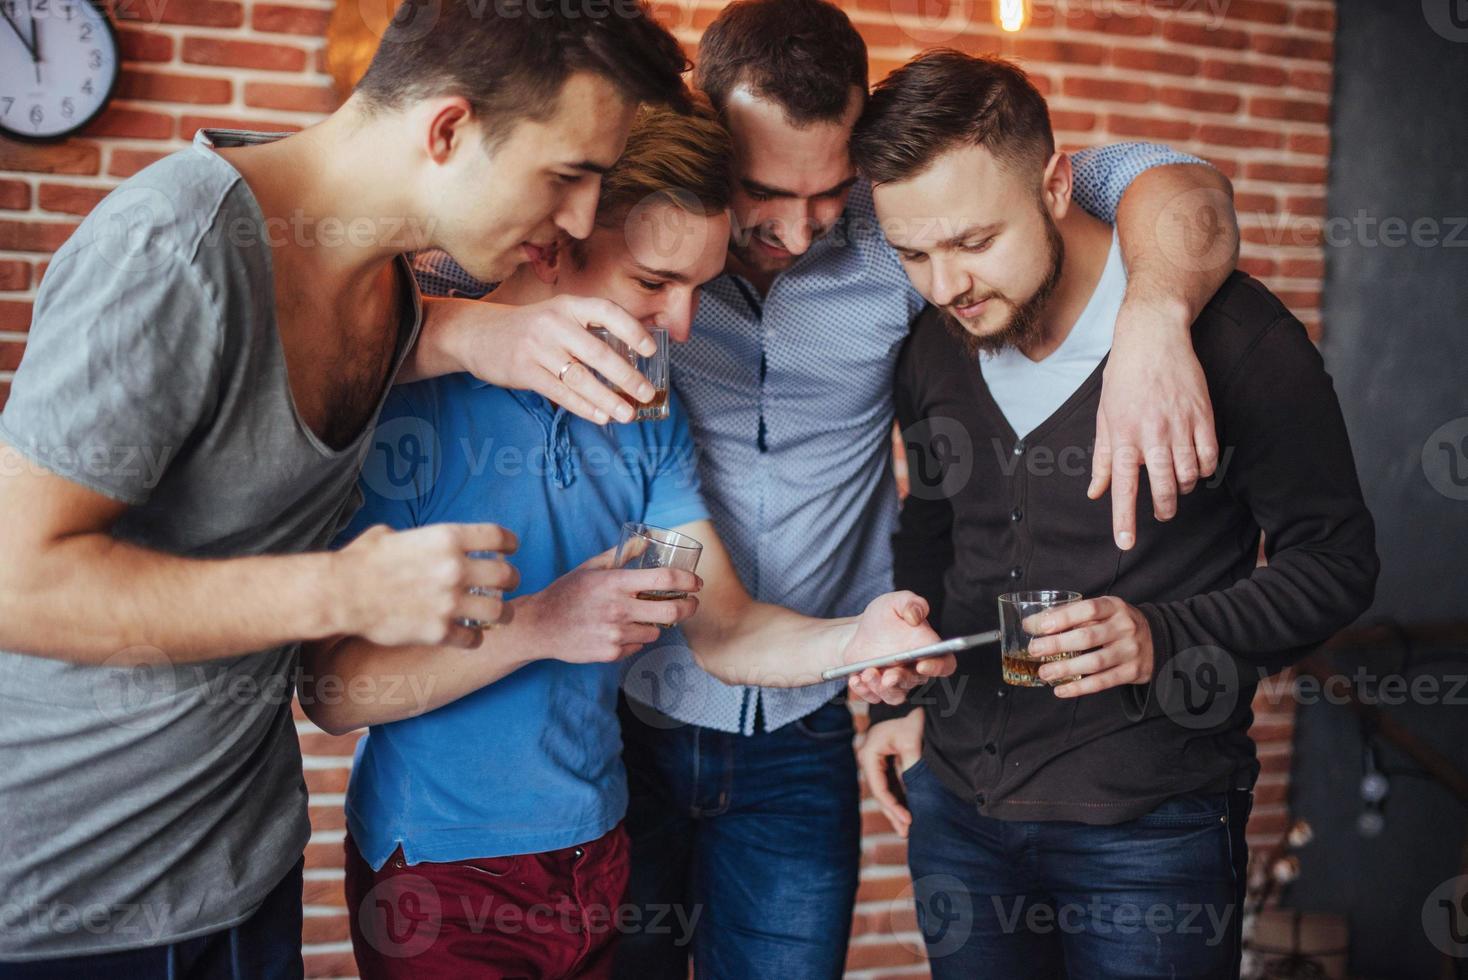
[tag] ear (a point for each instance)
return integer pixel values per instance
(1056, 185)
(448, 127)
(547, 264)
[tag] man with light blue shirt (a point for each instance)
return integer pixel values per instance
(485, 803)
(745, 800)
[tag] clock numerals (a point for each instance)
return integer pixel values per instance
(67, 9)
(9, 101)
(86, 29)
(37, 116)
(68, 109)
(40, 6)
(94, 59)
(87, 87)
(10, 8)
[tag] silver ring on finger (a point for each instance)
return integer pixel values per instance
(561, 374)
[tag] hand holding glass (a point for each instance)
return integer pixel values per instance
(1020, 669)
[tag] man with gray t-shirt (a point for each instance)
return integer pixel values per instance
(183, 438)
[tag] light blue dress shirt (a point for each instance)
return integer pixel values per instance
(790, 400)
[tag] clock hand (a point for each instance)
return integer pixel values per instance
(35, 41)
(29, 47)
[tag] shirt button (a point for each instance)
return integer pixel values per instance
(577, 853)
(979, 798)
(1019, 448)
(999, 693)
(1016, 514)
(1016, 572)
(991, 748)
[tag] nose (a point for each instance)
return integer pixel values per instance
(676, 316)
(949, 281)
(577, 213)
(795, 222)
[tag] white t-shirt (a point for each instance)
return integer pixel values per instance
(1028, 392)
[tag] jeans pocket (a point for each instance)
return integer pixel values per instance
(830, 723)
(1187, 810)
(487, 868)
(916, 769)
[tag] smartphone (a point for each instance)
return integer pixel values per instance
(931, 650)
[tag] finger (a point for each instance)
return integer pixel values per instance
(895, 683)
(495, 574)
(595, 312)
(480, 608)
(1205, 443)
(634, 580)
(1081, 665)
(936, 666)
(1066, 617)
(1100, 459)
(1115, 677)
(578, 379)
(874, 768)
(866, 685)
(485, 537)
(912, 607)
(667, 612)
(463, 637)
(1163, 481)
(601, 561)
(1087, 636)
(595, 353)
(639, 635)
(1125, 474)
(1185, 466)
(576, 403)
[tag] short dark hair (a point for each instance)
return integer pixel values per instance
(803, 55)
(510, 61)
(943, 99)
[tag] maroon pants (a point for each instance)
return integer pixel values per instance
(528, 916)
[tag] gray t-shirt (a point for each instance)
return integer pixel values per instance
(147, 805)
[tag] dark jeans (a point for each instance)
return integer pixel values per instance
(266, 946)
(1158, 896)
(758, 836)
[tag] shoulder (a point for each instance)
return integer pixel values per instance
(1243, 321)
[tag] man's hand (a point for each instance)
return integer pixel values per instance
(900, 739)
(1154, 412)
(893, 623)
(592, 613)
(543, 347)
(399, 588)
(1115, 633)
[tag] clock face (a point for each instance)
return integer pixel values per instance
(58, 63)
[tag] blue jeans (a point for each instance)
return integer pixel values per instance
(1158, 896)
(266, 946)
(758, 836)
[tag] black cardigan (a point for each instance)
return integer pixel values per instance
(990, 513)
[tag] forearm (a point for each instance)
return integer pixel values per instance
(1179, 239)
(349, 683)
(439, 350)
(764, 645)
(90, 598)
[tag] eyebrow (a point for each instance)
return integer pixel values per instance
(652, 273)
(956, 240)
(755, 187)
(590, 166)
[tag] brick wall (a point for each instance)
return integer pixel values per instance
(1244, 83)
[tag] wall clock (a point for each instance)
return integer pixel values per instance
(59, 63)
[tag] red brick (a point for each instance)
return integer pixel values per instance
(34, 236)
(867, 956)
(298, 98)
(1234, 71)
(15, 316)
(320, 743)
(137, 123)
(1163, 61)
(281, 19)
(1302, 268)
(1292, 46)
(1158, 128)
(1294, 110)
(15, 195)
(1312, 206)
(1064, 120)
(190, 124)
(1299, 299)
(4, 393)
(1220, 135)
(144, 45)
(325, 854)
(1254, 202)
(1317, 143)
(1316, 19)
(1261, 11)
(1062, 52)
(1257, 267)
(125, 162)
(157, 86)
(1285, 173)
(71, 157)
(1107, 89)
(341, 964)
(327, 780)
(318, 892)
(883, 889)
(1077, 19)
(196, 13)
(10, 350)
(242, 54)
(15, 275)
(327, 818)
(69, 198)
(1311, 80)
(1183, 32)
(325, 929)
(1203, 101)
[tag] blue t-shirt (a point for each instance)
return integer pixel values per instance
(531, 762)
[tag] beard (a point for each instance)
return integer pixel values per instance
(1023, 329)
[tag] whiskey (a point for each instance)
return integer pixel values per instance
(1022, 670)
(649, 411)
(661, 595)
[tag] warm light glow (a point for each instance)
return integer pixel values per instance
(1012, 15)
